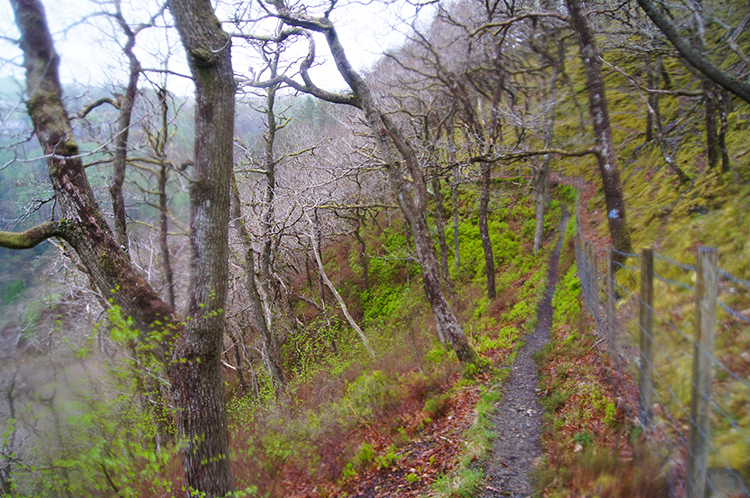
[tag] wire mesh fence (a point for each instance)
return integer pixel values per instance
(682, 333)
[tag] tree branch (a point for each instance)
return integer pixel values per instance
(33, 236)
(104, 100)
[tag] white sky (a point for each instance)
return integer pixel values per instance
(89, 56)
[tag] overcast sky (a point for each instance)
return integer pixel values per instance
(89, 55)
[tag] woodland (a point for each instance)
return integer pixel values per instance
(266, 285)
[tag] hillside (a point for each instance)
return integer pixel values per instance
(431, 283)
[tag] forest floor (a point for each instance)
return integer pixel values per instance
(518, 418)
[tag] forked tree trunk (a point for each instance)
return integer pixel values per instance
(606, 155)
(121, 140)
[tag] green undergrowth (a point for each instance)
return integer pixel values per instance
(344, 413)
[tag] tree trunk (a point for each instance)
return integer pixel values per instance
(166, 258)
(196, 374)
(364, 259)
(454, 199)
(121, 140)
(606, 154)
(83, 226)
(652, 66)
(484, 231)
(541, 187)
(267, 214)
(713, 151)
(723, 98)
(319, 249)
(334, 292)
(257, 310)
(442, 240)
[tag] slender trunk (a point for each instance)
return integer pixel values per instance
(438, 215)
(319, 249)
(606, 156)
(363, 258)
(335, 292)
(542, 181)
(654, 75)
(723, 98)
(484, 231)
(267, 214)
(267, 222)
(456, 218)
(257, 310)
(238, 362)
(121, 140)
(713, 151)
(307, 270)
(166, 258)
(442, 240)
(196, 373)
(541, 187)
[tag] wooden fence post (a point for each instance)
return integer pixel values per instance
(646, 320)
(700, 402)
(611, 299)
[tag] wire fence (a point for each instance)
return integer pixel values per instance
(681, 333)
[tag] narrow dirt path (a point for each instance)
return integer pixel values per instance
(518, 418)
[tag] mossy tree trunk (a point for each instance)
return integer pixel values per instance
(82, 225)
(606, 154)
(160, 144)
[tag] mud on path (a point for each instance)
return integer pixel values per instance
(518, 419)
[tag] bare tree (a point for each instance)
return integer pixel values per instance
(399, 158)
